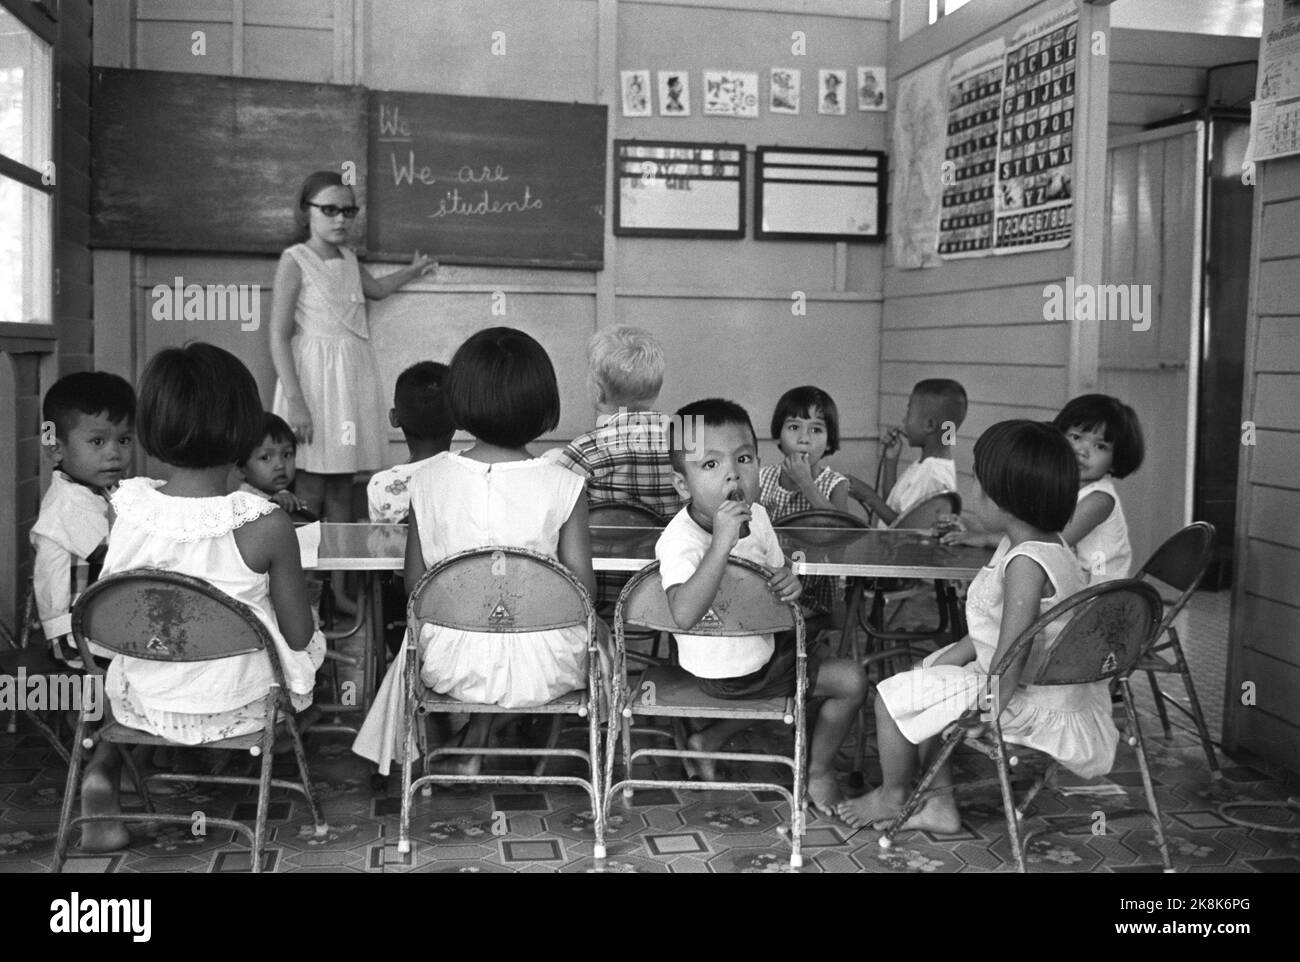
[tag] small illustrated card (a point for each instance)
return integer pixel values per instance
(674, 93)
(636, 93)
(871, 88)
(831, 91)
(730, 93)
(784, 92)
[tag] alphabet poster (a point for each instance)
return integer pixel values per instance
(1034, 201)
(970, 158)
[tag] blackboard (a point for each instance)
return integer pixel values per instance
(479, 180)
(188, 161)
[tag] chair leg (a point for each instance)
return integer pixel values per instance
(1159, 697)
(1135, 739)
(321, 828)
(798, 808)
(552, 739)
(408, 761)
(597, 791)
(69, 798)
(1197, 715)
(627, 756)
(263, 795)
(50, 735)
(1009, 808)
(128, 759)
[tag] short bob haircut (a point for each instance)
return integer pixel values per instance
(1029, 469)
(808, 402)
(946, 399)
(626, 364)
(275, 428)
(420, 401)
(1115, 421)
(711, 412)
(199, 407)
(313, 185)
(501, 388)
(89, 393)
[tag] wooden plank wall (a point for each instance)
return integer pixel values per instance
(707, 300)
(980, 321)
(1265, 652)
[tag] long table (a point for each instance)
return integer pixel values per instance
(859, 554)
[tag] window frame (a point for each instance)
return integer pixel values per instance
(41, 18)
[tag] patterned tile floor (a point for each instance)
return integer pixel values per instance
(511, 830)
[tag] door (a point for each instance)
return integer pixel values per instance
(1154, 246)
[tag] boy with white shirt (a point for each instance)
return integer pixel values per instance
(718, 473)
(421, 412)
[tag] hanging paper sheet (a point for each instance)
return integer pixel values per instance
(970, 158)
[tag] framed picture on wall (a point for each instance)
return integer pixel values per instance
(805, 193)
(678, 189)
(636, 93)
(674, 93)
(832, 91)
(871, 88)
(784, 93)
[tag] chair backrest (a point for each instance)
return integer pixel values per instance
(821, 518)
(506, 590)
(624, 514)
(160, 615)
(742, 606)
(1181, 562)
(1106, 628)
(923, 515)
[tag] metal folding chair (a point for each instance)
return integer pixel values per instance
(610, 584)
(743, 606)
(1108, 627)
(159, 615)
(1180, 563)
(501, 591)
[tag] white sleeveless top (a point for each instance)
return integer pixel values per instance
(1104, 552)
(195, 536)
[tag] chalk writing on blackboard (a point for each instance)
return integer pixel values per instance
(473, 201)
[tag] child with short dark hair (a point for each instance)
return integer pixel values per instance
(199, 413)
(1107, 439)
(806, 428)
(420, 410)
(501, 389)
(935, 410)
(714, 454)
(1026, 481)
(90, 430)
(269, 468)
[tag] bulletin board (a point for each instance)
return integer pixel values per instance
(803, 193)
(679, 189)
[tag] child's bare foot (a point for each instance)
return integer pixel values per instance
(868, 809)
(457, 765)
(938, 815)
(99, 797)
(824, 793)
(705, 769)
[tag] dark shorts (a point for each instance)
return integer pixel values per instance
(773, 680)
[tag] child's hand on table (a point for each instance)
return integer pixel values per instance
(784, 585)
(289, 501)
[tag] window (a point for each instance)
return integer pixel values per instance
(27, 173)
(941, 8)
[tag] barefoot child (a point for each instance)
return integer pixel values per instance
(719, 476)
(1026, 480)
(200, 413)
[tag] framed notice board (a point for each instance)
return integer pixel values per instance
(675, 189)
(804, 193)
(479, 180)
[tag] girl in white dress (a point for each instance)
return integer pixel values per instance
(1107, 440)
(199, 412)
(327, 388)
(501, 389)
(1026, 479)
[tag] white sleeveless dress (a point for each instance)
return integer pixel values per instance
(459, 504)
(1072, 723)
(1105, 552)
(336, 367)
(209, 700)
